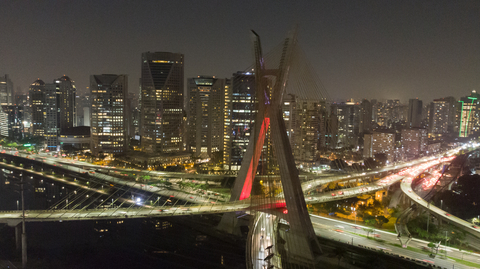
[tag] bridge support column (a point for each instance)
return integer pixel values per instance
(229, 223)
(18, 237)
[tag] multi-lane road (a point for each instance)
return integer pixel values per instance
(388, 242)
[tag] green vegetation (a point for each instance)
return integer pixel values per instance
(467, 263)
(418, 228)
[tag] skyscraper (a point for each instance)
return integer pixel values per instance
(414, 142)
(6, 99)
(365, 116)
(52, 116)
(68, 110)
(240, 107)
(205, 115)
(348, 123)
(468, 107)
(109, 114)
(6, 90)
(37, 101)
(60, 110)
(303, 121)
(442, 115)
(162, 102)
(414, 117)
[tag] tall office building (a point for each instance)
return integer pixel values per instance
(162, 102)
(415, 109)
(206, 100)
(6, 90)
(348, 122)
(365, 116)
(14, 116)
(37, 100)
(83, 103)
(68, 110)
(52, 116)
(468, 111)
(240, 110)
(109, 114)
(6, 99)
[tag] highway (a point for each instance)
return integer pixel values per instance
(352, 233)
(190, 197)
(406, 187)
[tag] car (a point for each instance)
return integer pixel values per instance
(447, 214)
(356, 227)
(339, 226)
(376, 235)
(333, 194)
(409, 190)
(418, 198)
(340, 192)
(172, 196)
(476, 227)
(338, 230)
(191, 197)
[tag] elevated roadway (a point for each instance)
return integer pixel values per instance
(406, 187)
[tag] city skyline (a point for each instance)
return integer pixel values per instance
(359, 50)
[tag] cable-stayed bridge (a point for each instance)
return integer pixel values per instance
(281, 233)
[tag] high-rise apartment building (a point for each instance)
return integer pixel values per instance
(206, 99)
(162, 102)
(239, 118)
(109, 113)
(37, 107)
(303, 121)
(414, 116)
(380, 142)
(442, 116)
(414, 142)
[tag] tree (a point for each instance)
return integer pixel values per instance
(433, 248)
(381, 220)
(370, 163)
(369, 230)
(381, 159)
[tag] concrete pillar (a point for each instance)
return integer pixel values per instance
(18, 236)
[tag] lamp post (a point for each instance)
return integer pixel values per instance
(445, 244)
(24, 234)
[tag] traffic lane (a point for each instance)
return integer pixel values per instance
(345, 237)
(392, 238)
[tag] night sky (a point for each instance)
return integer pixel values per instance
(360, 49)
